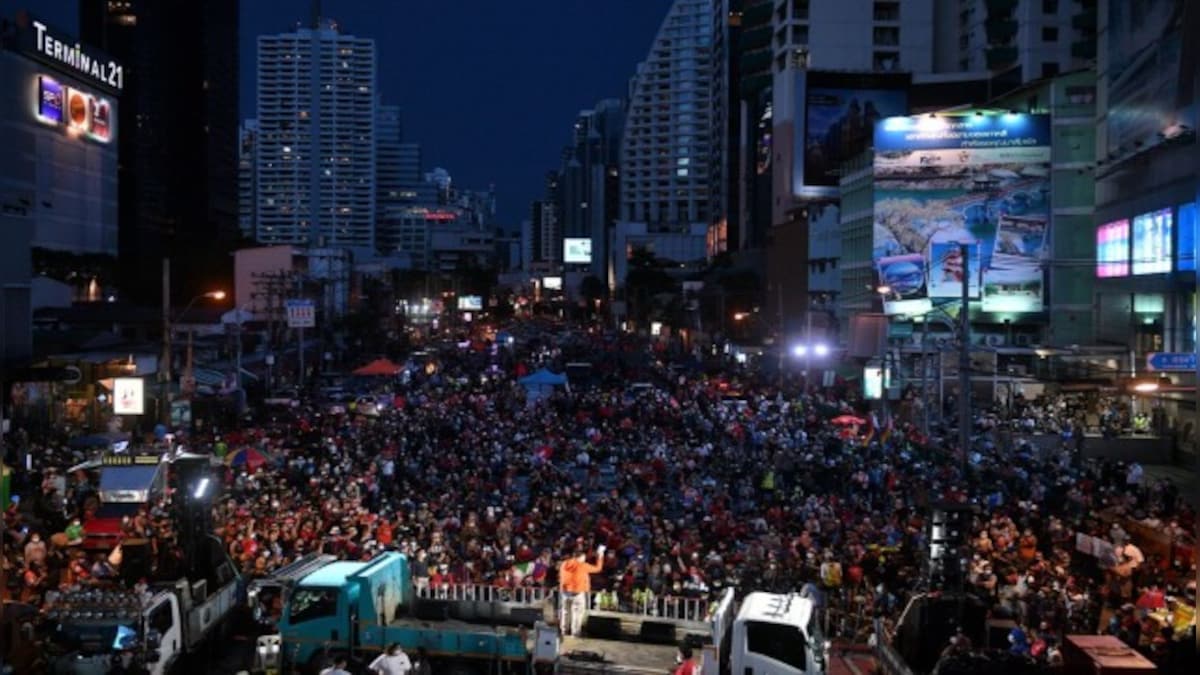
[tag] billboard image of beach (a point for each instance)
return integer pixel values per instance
(978, 179)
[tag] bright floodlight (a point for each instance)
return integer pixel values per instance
(821, 350)
(884, 290)
(800, 350)
(1146, 387)
(201, 488)
(215, 295)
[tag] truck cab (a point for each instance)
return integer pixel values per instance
(126, 484)
(777, 634)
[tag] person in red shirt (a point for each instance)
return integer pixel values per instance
(688, 664)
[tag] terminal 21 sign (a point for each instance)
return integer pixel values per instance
(75, 58)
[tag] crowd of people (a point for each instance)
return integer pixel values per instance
(688, 477)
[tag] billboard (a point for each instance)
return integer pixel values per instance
(1186, 251)
(552, 283)
(129, 396)
(981, 179)
(81, 112)
(577, 250)
(1152, 235)
(1112, 249)
(470, 303)
(836, 114)
(1151, 62)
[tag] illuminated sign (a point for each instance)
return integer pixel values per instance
(470, 303)
(1112, 249)
(129, 396)
(552, 283)
(130, 460)
(76, 59)
(1186, 251)
(577, 250)
(872, 383)
(81, 112)
(1152, 234)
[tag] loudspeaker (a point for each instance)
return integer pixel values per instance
(135, 561)
(432, 610)
(526, 616)
(657, 632)
(603, 627)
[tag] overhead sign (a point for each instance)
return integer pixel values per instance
(1171, 361)
(69, 56)
(129, 396)
(301, 314)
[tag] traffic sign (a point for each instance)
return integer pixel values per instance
(301, 314)
(1171, 361)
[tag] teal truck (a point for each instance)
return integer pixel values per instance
(357, 609)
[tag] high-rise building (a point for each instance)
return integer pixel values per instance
(590, 179)
(665, 151)
(1041, 37)
(247, 188)
(179, 108)
(316, 167)
(725, 125)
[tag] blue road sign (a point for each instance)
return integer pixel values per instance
(1178, 361)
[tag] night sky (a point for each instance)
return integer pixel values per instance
(489, 88)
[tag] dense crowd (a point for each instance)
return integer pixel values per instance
(693, 479)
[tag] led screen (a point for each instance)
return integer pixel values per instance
(1187, 237)
(1152, 235)
(577, 250)
(50, 100)
(1112, 249)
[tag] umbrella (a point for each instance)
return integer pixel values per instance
(848, 420)
(249, 456)
(379, 367)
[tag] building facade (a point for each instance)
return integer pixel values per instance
(1040, 37)
(247, 185)
(315, 165)
(666, 148)
(589, 180)
(179, 105)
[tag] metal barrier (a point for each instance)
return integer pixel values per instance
(521, 595)
(890, 661)
(665, 607)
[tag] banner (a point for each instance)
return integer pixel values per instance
(979, 179)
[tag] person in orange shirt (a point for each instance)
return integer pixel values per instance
(575, 584)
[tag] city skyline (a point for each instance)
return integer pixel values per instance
(546, 76)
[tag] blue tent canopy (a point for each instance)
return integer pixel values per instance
(544, 378)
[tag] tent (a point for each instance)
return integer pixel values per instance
(541, 384)
(379, 367)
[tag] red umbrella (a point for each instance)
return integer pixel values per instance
(379, 367)
(848, 420)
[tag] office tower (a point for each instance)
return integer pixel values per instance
(665, 151)
(179, 108)
(316, 145)
(725, 125)
(590, 179)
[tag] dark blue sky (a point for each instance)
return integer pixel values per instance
(489, 87)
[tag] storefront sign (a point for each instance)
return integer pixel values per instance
(76, 58)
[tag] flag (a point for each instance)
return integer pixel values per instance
(522, 570)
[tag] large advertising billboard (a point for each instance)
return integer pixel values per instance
(1186, 251)
(577, 250)
(978, 179)
(1152, 235)
(82, 113)
(836, 114)
(1112, 249)
(1152, 60)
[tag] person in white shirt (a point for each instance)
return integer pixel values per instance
(338, 667)
(392, 662)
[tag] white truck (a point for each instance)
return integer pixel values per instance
(91, 630)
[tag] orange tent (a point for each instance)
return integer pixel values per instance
(379, 367)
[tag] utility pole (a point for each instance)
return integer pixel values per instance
(964, 362)
(164, 411)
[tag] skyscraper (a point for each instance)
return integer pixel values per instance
(316, 167)
(590, 179)
(665, 151)
(179, 108)
(247, 151)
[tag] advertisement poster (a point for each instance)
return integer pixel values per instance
(100, 114)
(1152, 235)
(946, 270)
(129, 397)
(1187, 237)
(904, 275)
(1151, 64)
(1112, 250)
(50, 100)
(78, 115)
(839, 112)
(577, 250)
(983, 178)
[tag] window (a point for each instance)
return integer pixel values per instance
(160, 618)
(312, 603)
(780, 642)
(1049, 6)
(1049, 34)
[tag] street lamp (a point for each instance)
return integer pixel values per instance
(165, 411)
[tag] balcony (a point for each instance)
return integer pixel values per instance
(1001, 7)
(1085, 21)
(999, 57)
(1000, 31)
